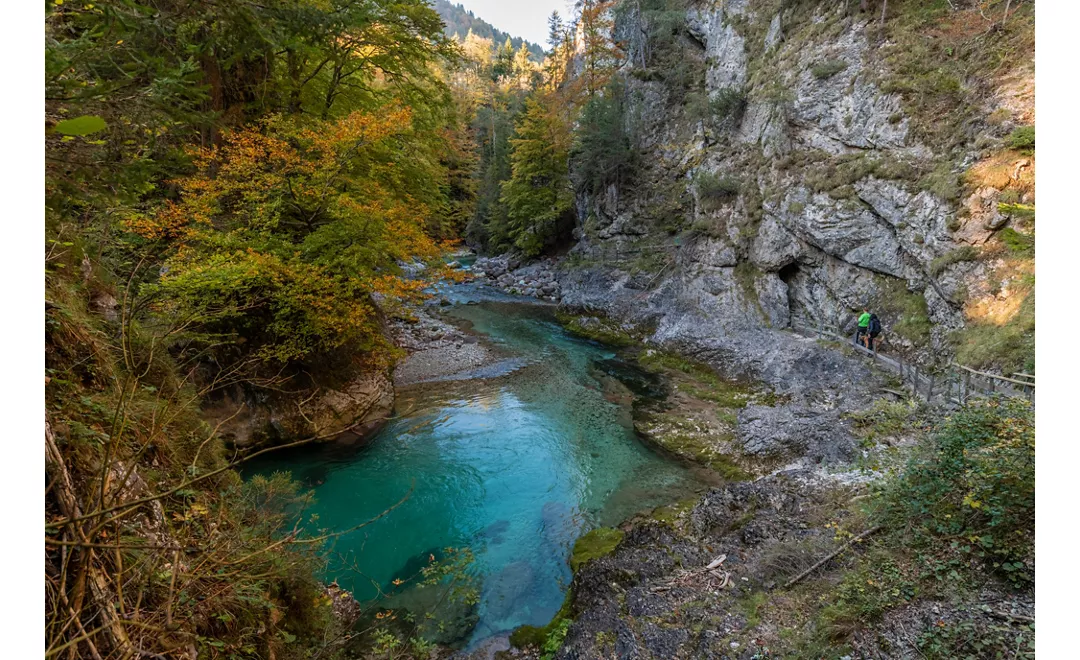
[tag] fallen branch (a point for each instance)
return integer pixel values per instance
(1011, 617)
(795, 580)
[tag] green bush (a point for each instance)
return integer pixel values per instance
(1021, 244)
(714, 190)
(828, 68)
(1022, 139)
(966, 253)
(974, 492)
(729, 103)
(908, 308)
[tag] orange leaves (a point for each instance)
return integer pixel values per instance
(288, 236)
(171, 223)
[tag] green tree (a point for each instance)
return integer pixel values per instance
(605, 150)
(538, 195)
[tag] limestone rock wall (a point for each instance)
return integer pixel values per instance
(837, 205)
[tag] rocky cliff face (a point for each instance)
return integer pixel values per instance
(840, 166)
(347, 407)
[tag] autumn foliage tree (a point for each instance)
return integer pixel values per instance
(287, 234)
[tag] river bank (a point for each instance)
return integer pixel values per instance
(488, 471)
(805, 435)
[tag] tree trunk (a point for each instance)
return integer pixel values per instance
(213, 76)
(90, 573)
(293, 62)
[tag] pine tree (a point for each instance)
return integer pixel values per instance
(600, 53)
(605, 151)
(538, 196)
(555, 31)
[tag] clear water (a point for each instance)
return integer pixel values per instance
(514, 467)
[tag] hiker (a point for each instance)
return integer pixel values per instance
(874, 329)
(863, 329)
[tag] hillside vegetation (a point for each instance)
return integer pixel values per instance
(231, 190)
(240, 198)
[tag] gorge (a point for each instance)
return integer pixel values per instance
(369, 338)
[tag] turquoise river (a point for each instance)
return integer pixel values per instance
(506, 468)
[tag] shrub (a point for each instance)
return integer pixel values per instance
(908, 308)
(1021, 211)
(974, 492)
(828, 68)
(966, 253)
(1022, 139)
(1023, 244)
(729, 103)
(713, 189)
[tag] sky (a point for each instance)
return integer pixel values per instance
(519, 18)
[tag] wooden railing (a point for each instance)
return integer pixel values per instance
(955, 383)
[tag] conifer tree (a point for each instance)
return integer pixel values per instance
(538, 196)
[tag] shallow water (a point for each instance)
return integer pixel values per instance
(513, 467)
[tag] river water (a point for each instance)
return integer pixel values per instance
(510, 469)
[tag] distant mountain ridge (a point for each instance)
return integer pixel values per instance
(460, 20)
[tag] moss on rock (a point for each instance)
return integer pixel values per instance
(593, 545)
(596, 328)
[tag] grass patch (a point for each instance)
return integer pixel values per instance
(783, 560)
(751, 607)
(943, 182)
(726, 394)
(880, 582)
(828, 69)
(886, 419)
(943, 63)
(1009, 347)
(697, 448)
(966, 253)
(661, 360)
(598, 543)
